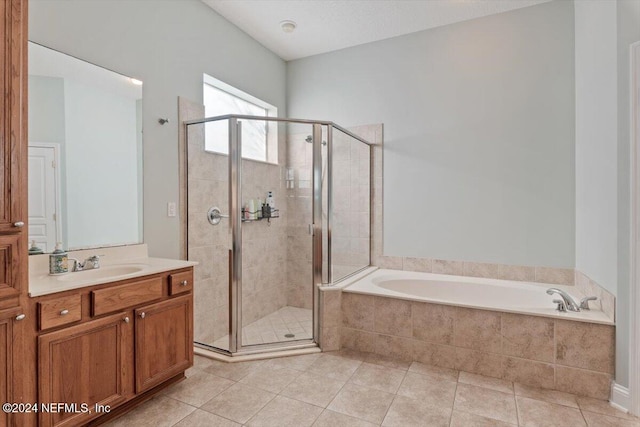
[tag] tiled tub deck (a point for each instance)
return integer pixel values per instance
(565, 355)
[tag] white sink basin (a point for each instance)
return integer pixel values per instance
(102, 272)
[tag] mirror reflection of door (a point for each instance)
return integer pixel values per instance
(44, 194)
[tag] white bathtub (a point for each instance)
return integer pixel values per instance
(472, 292)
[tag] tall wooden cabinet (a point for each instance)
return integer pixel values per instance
(15, 352)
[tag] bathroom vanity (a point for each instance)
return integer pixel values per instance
(110, 337)
(87, 345)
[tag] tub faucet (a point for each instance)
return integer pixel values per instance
(567, 302)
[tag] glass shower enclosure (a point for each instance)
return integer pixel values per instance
(268, 223)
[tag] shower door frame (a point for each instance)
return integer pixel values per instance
(236, 348)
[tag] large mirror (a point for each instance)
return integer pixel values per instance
(85, 153)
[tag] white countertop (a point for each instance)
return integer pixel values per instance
(125, 262)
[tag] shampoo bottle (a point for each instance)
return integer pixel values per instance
(272, 204)
(252, 209)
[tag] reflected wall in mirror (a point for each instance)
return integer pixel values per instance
(85, 153)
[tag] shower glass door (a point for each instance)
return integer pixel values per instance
(276, 292)
(209, 230)
(257, 205)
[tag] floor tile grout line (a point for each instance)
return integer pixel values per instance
(258, 411)
(218, 415)
(586, 423)
(395, 395)
(342, 388)
(453, 404)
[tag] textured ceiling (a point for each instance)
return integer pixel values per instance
(327, 25)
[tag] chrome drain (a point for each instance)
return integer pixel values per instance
(289, 335)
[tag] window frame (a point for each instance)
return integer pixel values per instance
(271, 137)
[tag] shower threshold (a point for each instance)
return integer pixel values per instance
(278, 331)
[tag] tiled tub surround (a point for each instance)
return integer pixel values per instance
(605, 302)
(565, 355)
(519, 273)
(472, 292)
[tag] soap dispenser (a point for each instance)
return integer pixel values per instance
(58, 261)
(34, 249)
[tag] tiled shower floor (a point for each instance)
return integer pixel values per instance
(275, 327)
(350, 389)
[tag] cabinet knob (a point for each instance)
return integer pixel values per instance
(126, 319)
(21, 316)
(18, 224)
(64, 312)
(142, 315)
(184, 283)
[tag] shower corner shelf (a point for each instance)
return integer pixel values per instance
(260, 219)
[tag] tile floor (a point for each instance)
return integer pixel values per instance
(354, 389)
(274, 328)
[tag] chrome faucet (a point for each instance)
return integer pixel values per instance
(566, 303)
(90, 263)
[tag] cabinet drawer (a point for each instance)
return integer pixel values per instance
(180, 283)
(119, 297)
(59, 311)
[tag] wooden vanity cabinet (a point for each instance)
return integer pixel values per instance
(164, 341)
(133, 338)
(85, 364)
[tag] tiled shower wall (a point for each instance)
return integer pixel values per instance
(264, 244)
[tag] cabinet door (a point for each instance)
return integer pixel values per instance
(88, 364)
(164, 341)
(10, 279)
(13, 120)
(6, 349)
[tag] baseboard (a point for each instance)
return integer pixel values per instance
(620, 397)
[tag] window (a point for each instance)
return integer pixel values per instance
(259, 137)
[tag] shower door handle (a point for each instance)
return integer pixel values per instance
(215, 216)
